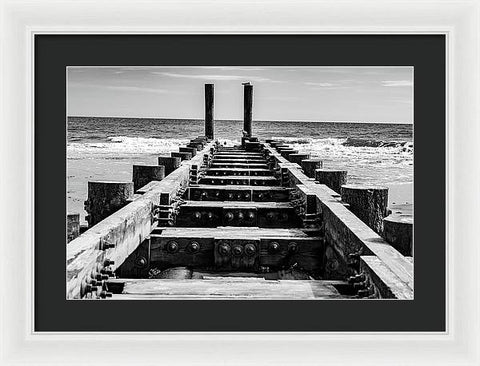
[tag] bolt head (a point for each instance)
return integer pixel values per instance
(237, 250)
(141, 262)
(292, 247)
(229, 216)
(241, 215)
(274, 247)
(224, 249)
(172, 246)
(197, 215)
(194, 247)
(250, 250)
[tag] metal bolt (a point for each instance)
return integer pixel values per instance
(250, 250)
(224, 249)
(237, 250)
(172, 246)
(251, 216)
(194, 247)
(105, 294)
(141, 262)
(273, 247)
(240, 215)
(107, 272)
(292, 247)
(229, 216)
(197, 215)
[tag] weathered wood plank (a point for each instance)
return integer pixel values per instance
(227, 288)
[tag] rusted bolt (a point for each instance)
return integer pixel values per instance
(172, 246)
(251, 216)
(105, 294)
(141, 262)
(107, 272)
(210, 216)
(108, 262)
(250, 250)
(239, 196)
(229, 216)
(230, 195)
(193, 247)
(274, 247)
(260, 195)
(271, 216)
(247, 195)
(203, 195)
(359, 285)
(90, 288)
(237, 250)
(358, 278)
(197, 215)
(105, 245)
(241, 215)
(292, 247)
(224, 249)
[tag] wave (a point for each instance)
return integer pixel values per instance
(358, 142)
(127, 146)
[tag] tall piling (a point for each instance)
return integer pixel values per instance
(209, 101)
(73, 226)
(369, 204)
(144, 174)
(310, 165)
(104, 198)
(333, 179)
(170, 163)
(247, 108)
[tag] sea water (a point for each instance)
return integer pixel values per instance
(100, 148)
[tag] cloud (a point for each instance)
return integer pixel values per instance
(323, 85)
(119, 88)
(217, 77)
(397, 83)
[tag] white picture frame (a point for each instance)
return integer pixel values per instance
(458, 20)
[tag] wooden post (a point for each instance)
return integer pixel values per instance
(398, 231)
(297, 158)
(310, 165)
(209, 102)
(247, 108)
(333, 179)
(191, 150)
(286, 153)
(73, 226)
(144, 174)
(104, 198)
(182, 155)
(369, 204)
(169, 162)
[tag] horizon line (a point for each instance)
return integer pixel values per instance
(257, 120)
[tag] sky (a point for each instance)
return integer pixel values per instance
(363, 94)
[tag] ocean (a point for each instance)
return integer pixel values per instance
(101, 148)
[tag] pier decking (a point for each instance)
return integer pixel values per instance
(235, 222)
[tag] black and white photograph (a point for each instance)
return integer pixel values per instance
(262, 183)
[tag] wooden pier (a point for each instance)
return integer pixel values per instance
(237, 222)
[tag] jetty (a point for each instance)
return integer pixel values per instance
(259, 220)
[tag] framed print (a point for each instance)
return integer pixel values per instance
(298, 187)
